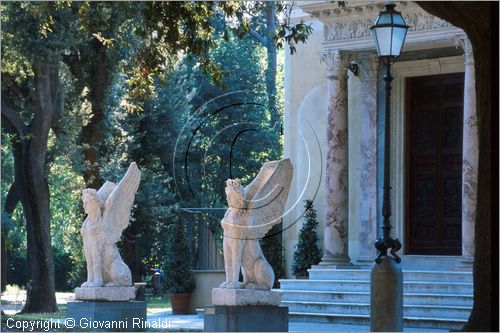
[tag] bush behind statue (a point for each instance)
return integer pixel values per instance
(307, 252)
(179, 278)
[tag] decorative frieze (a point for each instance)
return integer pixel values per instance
(360, 28)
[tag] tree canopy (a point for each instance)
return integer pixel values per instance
(88, 87)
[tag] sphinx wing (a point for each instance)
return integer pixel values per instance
(117, 208)
(270, 194)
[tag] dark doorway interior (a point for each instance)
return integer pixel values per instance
(434, 113)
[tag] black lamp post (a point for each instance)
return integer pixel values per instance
(389, 33)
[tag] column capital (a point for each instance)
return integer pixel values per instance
(464, 43)
(368, 66)
(337, 62)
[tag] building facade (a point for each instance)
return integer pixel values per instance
(333, 128)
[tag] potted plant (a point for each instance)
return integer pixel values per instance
(307, 252)
(179, 279)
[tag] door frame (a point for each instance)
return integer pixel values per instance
(402, 70)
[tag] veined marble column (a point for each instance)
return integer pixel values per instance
(469, 156)
(368, 67)
(335, 251)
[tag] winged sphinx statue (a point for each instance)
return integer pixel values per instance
(252, 212)
(108, 214)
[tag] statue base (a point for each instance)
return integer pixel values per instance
(240, 297)
(107, 316)
(243, 310)
(105, 293)
(245, 318)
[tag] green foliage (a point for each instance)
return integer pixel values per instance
(63, 268)
(178, 275)
(158, 302)
(307, 252)
(232, 138)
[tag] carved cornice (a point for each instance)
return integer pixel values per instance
(328, 9)
(348, 28)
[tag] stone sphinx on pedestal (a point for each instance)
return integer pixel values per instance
(252, 212)
(108, 289)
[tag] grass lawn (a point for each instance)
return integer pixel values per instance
(14, 300)
(158, 303)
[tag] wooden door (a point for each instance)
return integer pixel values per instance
(434, 164)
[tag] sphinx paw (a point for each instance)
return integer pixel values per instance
(224, 284)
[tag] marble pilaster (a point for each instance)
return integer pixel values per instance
(469, 156)
(336, 210)
(368, 67)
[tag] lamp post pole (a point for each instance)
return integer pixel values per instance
(386, 242)
(386, 278)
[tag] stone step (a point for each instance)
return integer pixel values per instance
(364, 297)
(460, 288)
(325, 296)
(418, 311)
(446, 324)
(438, 299)
(358, 274)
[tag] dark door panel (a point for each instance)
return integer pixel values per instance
(434, 113)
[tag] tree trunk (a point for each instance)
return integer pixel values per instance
(476, 19)
(48, 97)
(268, 42)
(30, 181)
(133, 231)
(130, 252)
(271, 63)
(94, 132)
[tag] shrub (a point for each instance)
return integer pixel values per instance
(307, 252)
(178, 275)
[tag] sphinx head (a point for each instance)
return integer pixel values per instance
(92, 203)
(235, 193)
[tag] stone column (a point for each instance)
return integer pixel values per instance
(335, 250)
(469, 156)
(368, 66)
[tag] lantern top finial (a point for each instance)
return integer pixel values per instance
(389, 6)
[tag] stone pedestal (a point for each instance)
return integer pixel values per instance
(386, 296)
(240, 297)
(245, 310)
(107, 316)
(105, 294)
(246, 318)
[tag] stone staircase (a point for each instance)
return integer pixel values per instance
(432, 299)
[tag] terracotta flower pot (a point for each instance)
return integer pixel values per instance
(180, 303)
